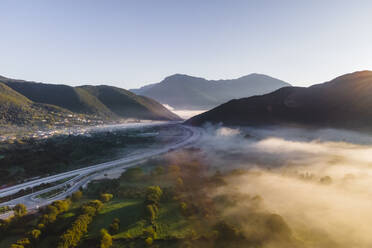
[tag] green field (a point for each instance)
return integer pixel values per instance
(126, 210)
(157, 205)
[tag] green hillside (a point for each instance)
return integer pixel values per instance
(126, 104)
(24, 102)
(73, 99)
(18, 109)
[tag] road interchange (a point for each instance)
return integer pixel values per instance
(83, 176)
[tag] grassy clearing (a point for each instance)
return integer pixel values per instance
(171, 223)
(128, 211)
(132, 231)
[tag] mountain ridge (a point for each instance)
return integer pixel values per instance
(343, 102)
(19, 110)
(39, 97)
(181, 91)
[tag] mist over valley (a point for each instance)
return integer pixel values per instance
(186, 124)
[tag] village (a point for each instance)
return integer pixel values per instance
(72, 124)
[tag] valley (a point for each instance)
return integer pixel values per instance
(185, 124)
(135, 154)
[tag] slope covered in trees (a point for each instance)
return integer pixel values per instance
(25, 100)
(18, 109)
(126, 104)
(344, 102)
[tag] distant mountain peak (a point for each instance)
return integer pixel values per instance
(182, 91)
(255, 76)
(179, 76)
(344, 102)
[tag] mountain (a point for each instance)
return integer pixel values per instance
(104, 102)
(17, 109)
(344, 102)
(73, 99)
(186, 92)
(126, 104)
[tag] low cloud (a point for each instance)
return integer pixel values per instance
(319, 181)
(184, 114)
(168, 107)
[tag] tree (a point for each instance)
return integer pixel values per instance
(24, 242)
(35, 234)
(151, 212)
(16, 246)
(149, 241)
(115, 226)
(153, 195)
(54, 209)
(95, 204)
(76, 196)
(106, 197)
(40, 226)
(88, 210)
(20, 210)
(51, 215)
(149, 232)
(62, 205)
(79, 227)
(106, 239)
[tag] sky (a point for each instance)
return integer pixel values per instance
(133, 43)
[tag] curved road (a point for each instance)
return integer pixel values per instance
(84, 175)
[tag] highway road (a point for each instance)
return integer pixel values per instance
(84, 175)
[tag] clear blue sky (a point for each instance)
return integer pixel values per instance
(132, 43)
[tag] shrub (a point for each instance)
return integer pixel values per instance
(106, 197)
(151, 211)
(153, 195)
(35, 234)
(16, 246)
(115, 226)
(106, 239)
(149, 241)
(20, 210)
(76, 196)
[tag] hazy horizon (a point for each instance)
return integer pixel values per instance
(237, 160)
(131, 44)
(145, 84)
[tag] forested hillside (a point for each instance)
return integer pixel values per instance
(26, 102)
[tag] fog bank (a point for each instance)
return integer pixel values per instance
(184, 113)
(319, 181)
